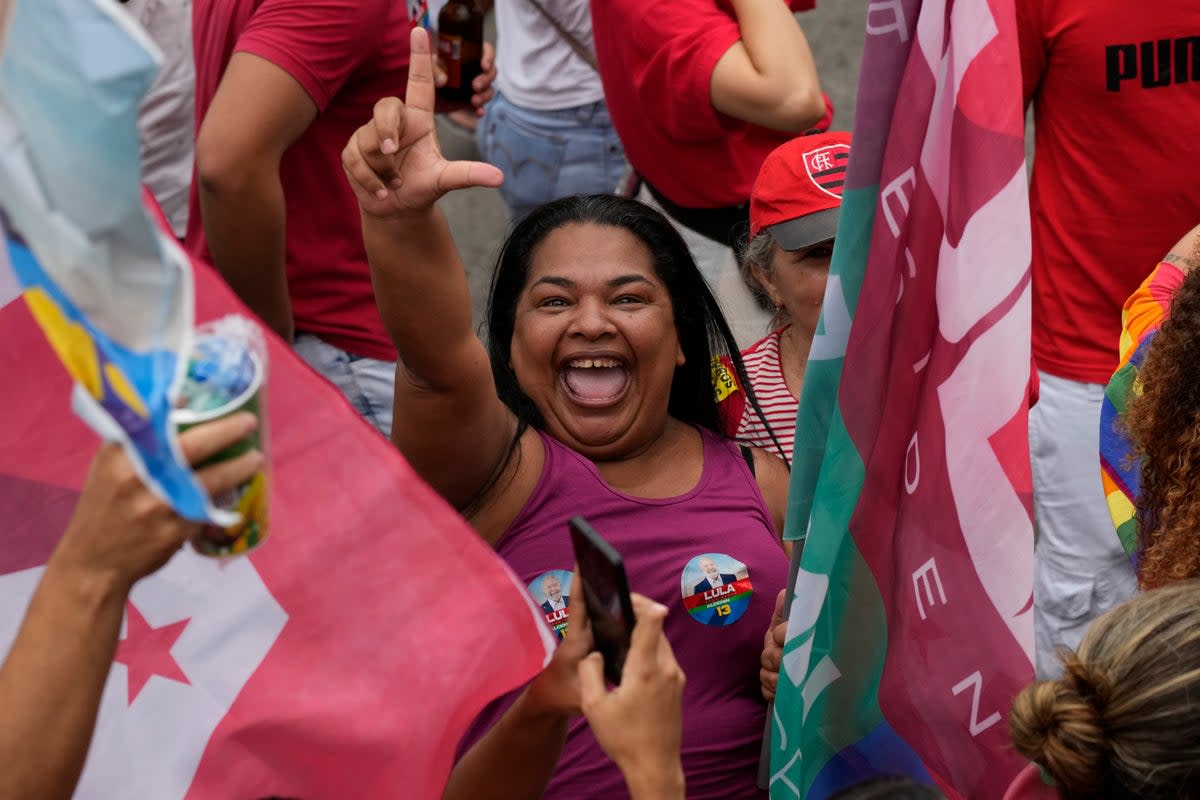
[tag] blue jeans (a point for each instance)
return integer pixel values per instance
(369, 384)
(546, 155)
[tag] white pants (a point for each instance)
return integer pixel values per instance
(748, 321)
(1080, 568)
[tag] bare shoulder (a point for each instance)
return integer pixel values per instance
(500, 504)
(773, 475)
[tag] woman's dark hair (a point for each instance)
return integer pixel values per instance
(702, 330)
(1163, 421)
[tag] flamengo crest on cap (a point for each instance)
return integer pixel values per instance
(827, 167)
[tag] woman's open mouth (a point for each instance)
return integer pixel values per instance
(595, 382)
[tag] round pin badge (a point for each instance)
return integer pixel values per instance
(552, 592)
(716, 589)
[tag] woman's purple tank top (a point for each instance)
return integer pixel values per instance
(712, 558)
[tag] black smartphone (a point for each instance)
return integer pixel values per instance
(610, 609)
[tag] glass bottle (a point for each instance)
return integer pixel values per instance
(460, 47)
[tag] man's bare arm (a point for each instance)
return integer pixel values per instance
(258, 112)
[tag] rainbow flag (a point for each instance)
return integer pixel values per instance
(1141, 318)
(910, 621)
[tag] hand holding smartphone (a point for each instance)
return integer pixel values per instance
(610, 609)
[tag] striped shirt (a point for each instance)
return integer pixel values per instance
(766, 377)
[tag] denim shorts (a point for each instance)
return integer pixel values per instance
(546, 155)
(368, 384)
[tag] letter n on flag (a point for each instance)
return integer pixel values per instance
(910, 626)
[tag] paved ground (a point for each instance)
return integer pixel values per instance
(479, 219)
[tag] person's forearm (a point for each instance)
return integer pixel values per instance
(52, 680)
(774, 41)
(514, 760)
(423, 296)
(784, 92)
(245, 223)
(1186, 253)
(660, 784)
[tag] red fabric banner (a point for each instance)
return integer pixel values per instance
(343, 658)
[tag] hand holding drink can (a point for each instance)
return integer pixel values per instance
(227, 374)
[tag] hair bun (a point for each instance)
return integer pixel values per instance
(1091, 686)
(1059, 724)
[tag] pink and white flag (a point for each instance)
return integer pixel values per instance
(911, 624)
(343, 658)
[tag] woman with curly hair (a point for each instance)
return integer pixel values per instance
(1121, 724)
(1163, 422)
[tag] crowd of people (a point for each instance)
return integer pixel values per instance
(674, 198)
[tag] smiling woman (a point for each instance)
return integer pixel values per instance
(601, 280)
(595, 396)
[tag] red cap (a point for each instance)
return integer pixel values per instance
(798, 192)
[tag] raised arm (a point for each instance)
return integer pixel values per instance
(768, 77)
(448, 420)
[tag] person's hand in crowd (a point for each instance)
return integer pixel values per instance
(481, 86)
(556, 688)
(121, 531)
(53, 676)
(524, 745)
(772, 654)
(639, 723)
(394, 163)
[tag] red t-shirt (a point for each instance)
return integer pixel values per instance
(1116, 179)
(347, 54)
(656, 61)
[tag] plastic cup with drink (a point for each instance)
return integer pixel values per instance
(227, 373)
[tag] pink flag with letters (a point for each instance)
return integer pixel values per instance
(911, 626)
(343, 658)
